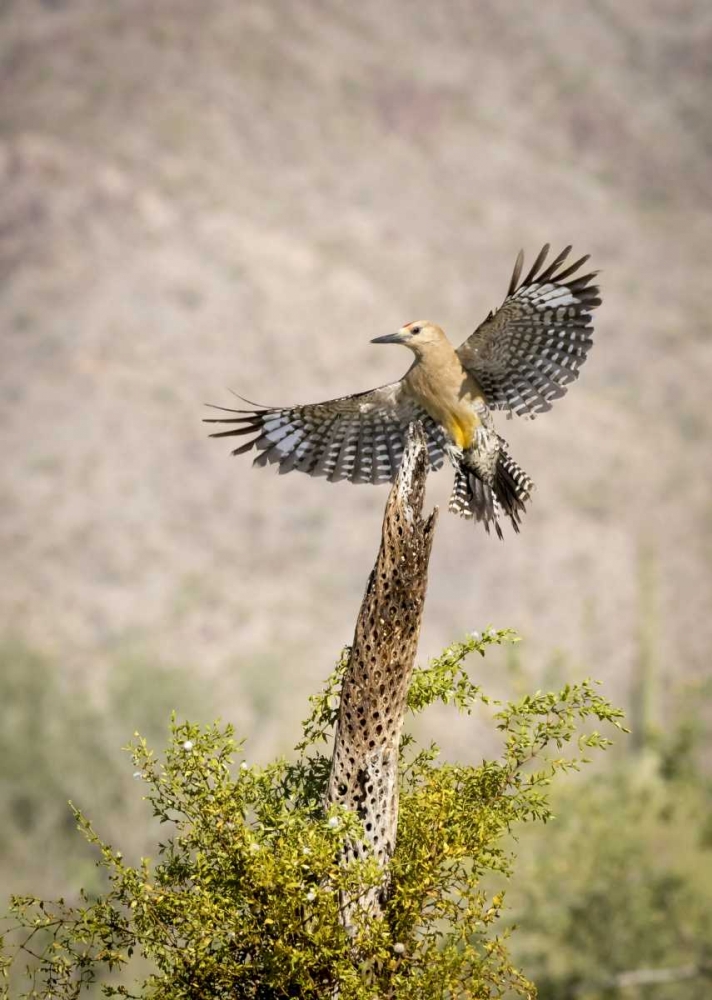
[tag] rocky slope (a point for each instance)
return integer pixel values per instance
(196, 197)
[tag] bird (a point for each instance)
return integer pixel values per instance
(519, 360)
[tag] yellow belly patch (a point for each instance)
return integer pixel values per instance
(462, 431)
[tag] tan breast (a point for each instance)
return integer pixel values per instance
(448, 393)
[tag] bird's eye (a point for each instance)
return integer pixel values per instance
(415, 329)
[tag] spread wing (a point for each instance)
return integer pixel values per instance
(525, 354)
(359, 437)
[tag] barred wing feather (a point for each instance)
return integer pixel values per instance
(526, 353)
(359, 437)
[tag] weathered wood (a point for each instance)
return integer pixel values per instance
(364, 770)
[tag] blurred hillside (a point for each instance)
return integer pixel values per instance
(196, 197)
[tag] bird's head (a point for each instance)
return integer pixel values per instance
(417, 336)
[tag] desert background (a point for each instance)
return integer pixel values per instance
(198, 198)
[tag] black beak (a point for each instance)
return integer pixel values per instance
(390, 338)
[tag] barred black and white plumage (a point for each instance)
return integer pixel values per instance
(520, 359)
(491, 489)
(527, 352)
(359, 437)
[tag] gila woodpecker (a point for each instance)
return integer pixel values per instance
(520, 359)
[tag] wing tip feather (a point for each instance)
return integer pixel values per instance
(514, 280)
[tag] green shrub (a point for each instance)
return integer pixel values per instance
(243, 899)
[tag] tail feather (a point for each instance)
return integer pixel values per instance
(508, 494)
(462, 498)
(471, 497)
(513, 487)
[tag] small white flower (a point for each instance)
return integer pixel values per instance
(244, 765)
(254, 847)
(138, 775)
(475, 635)
(334, 822)
(188, 745)
(399, 948)
(311, 896)
(306, 850)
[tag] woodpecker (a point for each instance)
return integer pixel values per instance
(520, 359)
